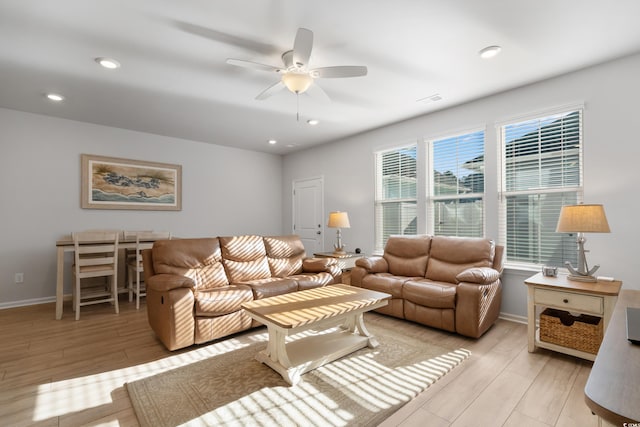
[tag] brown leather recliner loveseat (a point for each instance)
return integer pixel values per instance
(449, 283)
(195, 287)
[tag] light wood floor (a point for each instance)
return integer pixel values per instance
(68, 373)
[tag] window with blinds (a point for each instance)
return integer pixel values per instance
(456, 196)
(541, 172)
(395, 203)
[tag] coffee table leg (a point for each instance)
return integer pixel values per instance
(277, 358)
(357, 322)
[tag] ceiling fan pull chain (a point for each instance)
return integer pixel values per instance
(297, 107)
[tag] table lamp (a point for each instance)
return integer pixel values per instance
(582, 219)
(339, 220)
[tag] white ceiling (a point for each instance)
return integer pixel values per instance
(174, 80)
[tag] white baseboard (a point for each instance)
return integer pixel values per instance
(26, 302)
(513, 318)
(33, 301)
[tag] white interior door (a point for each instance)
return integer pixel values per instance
(308, 213)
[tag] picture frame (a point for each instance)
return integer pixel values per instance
(115, 183)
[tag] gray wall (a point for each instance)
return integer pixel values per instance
(226, 191)
(610, 93)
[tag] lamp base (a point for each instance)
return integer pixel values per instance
(579, 278)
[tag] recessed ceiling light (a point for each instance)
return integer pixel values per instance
(313, 122)
(272, 141)
(489, 52)
(431, 98)
(109, 63)
(55, 97)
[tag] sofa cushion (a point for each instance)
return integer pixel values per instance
(244, 258)
(272, 286)
(198, 259)
(450, 256)
(430, 294)
(407, 255)
(221, 301)
(284, 254)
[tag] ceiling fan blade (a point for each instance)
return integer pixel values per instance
(302, 47)
(317, 92)
(271, 90)
(252, 65)
(339, 71)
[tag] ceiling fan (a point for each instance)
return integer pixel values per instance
(296, 75)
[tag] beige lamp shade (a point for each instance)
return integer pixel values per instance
(339, 220)
(582, 219)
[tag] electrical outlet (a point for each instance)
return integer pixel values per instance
(19, 278)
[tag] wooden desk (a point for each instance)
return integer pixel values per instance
(66, 245)
(613, 388)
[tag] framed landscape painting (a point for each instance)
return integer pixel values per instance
(112, 183)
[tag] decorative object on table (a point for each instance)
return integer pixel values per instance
(112, 183)
(339, 220)
(550, 271)
(582, 219)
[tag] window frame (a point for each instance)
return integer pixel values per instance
(379, 202)
(504, 193)
(431, 198)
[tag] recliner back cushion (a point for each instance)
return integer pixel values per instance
(407, 255)
(198, 259)
(244, 258)
(285, 255)
(450, 256)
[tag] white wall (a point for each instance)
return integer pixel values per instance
(610, 93)
(226, 191)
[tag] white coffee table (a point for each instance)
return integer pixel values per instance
(319, 309)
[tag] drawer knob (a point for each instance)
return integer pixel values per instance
(565, 301)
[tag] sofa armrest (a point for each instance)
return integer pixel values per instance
(478, 275)
(373, 264)
(167, 282)
(318, 265)
(323, 265)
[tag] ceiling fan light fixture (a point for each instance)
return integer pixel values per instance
(297, 82)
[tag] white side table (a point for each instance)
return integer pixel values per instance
(593, 298)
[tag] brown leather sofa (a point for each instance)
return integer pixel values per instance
(195, 287)
(449, 283)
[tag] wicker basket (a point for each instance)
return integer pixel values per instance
(581, 332)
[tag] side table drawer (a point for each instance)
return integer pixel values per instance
(570, 301)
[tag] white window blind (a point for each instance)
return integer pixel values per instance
(395, 202)
(541, 172)
(456, 196)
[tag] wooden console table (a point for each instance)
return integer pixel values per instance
(613, 388)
